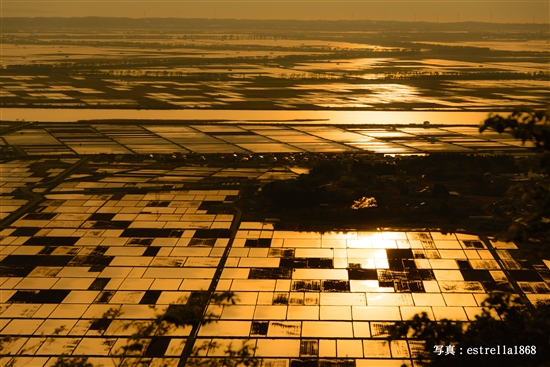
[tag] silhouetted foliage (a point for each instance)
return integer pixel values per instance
(326, 172)
(244, 356)
(6, 342)
(525, 124)
(190, 312)
(505, 321)
(533, 126)
(440, 191)
(65, 361)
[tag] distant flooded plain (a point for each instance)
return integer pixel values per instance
(244, 116)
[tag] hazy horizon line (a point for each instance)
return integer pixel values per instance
(278, 19)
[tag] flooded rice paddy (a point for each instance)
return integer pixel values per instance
(253, 88)
(243, 71)
(101, 138)
(89, 225)
(248, 116)
(299, 295)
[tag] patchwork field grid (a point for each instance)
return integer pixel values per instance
(185, 192)
(40, 139)
(300, 297)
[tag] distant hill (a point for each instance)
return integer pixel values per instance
(210, 25)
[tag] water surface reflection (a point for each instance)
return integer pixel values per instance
(244, 116)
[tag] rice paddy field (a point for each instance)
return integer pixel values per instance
(275, 88)
(141, 239)
(129, 145)
(225, 65)
(41, 139)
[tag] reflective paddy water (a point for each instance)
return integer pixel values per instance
(97, 138)
(346, 85)
(298, 295)
(243, 116)
(240, 137)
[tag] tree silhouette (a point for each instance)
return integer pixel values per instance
(190, 312)
(525, 124)
(529, 126)
(506, 322)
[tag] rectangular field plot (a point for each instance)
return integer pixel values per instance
(296, 294)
